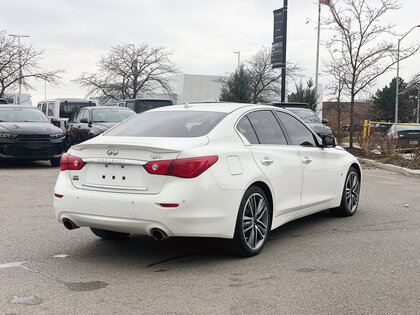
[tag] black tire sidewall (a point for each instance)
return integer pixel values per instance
(239, 239)
(343, 205)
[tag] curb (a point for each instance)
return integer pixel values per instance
(392, 168)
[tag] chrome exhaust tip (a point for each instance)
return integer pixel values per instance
(158, 234)
(69, 224)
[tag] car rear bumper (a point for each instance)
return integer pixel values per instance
(205, 210)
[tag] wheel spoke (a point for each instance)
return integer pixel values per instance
(261, 224)
(261, 214)
(247, 228)
(251, 238)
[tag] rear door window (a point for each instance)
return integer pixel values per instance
(266, 127)
(50, 110)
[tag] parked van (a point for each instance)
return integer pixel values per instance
(62, 108)
(140, 105)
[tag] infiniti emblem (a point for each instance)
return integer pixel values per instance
(112, 151)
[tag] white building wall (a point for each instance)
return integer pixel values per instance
(192, 88)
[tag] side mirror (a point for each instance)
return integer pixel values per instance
(328, 141)
(84, 121)
(324, 120)
(55, 122)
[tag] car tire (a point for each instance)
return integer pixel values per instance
(109, 235)
(55, 162)
(350, 196)
(254, 219)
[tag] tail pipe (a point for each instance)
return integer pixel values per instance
(158, 234)
(69, 224)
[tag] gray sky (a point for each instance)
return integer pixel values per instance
(201, 34)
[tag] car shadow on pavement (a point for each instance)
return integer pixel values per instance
(185, 252)
(16, 164)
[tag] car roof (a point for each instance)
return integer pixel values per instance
(69, 99)
(105, 107)
(223, 107)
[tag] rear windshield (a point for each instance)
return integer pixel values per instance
(22, 115)
(168, 124)
(403, 128)
(68, 108)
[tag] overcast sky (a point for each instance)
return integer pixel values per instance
(201, 34)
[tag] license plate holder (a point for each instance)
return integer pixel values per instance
(35, 146)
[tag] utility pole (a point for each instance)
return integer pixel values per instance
(283, 69)
(418, 106)
(398, 73)
(239, 58)
(317, 51)
(20, 63)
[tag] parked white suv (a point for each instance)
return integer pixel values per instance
(62, 108)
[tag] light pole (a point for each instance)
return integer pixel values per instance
(398, 72)
(239, 58)
(20, 63)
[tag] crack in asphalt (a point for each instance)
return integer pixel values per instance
(164, 261)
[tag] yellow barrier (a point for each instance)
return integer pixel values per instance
(366, 133)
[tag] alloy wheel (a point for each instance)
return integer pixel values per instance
(255, 221)
(352, 191)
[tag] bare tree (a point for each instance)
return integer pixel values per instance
(11, 67)
(127, 70)
(266, 81)
(337, 91)
(360, 48)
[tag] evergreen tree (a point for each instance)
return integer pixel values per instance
(384, 101)
(304, 95)
(237, 87)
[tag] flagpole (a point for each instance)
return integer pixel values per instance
(317, 51)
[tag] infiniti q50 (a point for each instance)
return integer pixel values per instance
(232, 171)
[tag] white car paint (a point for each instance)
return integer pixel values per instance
(208, 204)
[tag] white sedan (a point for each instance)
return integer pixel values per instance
(226, 170)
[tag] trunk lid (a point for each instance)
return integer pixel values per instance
(115, 164)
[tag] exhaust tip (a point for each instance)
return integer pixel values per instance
(158, 234)
(69, 224)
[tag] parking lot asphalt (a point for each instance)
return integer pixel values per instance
(365, 264)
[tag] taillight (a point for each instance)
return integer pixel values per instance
(185, 168)
(158, 167)
(69, 162)
(395, 135)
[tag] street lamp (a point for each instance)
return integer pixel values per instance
(20, 63)
(239, 58)
(398, 72)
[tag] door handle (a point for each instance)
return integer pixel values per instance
(306, 161)
(266, 161)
